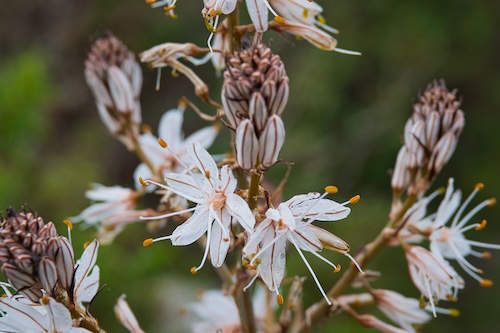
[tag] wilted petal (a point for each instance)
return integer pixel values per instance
(126, 316)
(246, 144)
(271, 141)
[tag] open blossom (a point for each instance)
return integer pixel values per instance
(291, 222)
(447, 227)
(302, 11)
(217, 206)
(218, 313)
(402, 310)
(20, 316)
(170, 131)
(432, 275)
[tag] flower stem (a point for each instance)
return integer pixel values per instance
(253, 189)
(321, 309)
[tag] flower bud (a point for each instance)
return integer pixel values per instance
(255, 93)
(115, 78)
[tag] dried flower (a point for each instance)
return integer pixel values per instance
(115, 78)
(291, 221)
(216, 206)
(254, 95)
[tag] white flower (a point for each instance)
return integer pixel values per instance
(447, 235)
(126, 316)
(216, 206)
(86, 277)
(302, 11)
(20, 316)
(168, 6)
(402, 310)
(432, 275)
(170, 131)
(218, 313)
(286, 223)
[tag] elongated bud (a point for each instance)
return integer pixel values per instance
(401, 174)
(329, 240)
(47, 273)
(64, 262)
(246, 144)
(115, 78)
(271, 141)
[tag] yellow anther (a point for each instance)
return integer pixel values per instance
(354, 199)
(451, 298)
(441, 190)
(280, 20)
(258, 261)
(321, 19)
(454, 312)
(69, 224)
(486, 283)
(421, 303)
(169, 8)
(174, 73)
(337, 269)
(225, 239)
(487, 255)
(143, 183)
(162, 143)
(150, 2)
(305, 13)
(45, 299)
(207, 174)
(147, 242)
(213, 13)
(482, 225)
(86, 244)
(492, 202)
(193, 270)
(479, 186)
(331, 189)
(146, 128)
(4, 295)
(279, 299)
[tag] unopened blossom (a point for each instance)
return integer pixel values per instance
(371, 321)
(404, 311)
(432, 275)
(171, 134)
(430, 137)
(217, 312)
(126, 316)
(254, 95)
(216, 206)
(114, 208)
(49, 316)
(115, 78)
(447, 227)
(291, 222)
(222, 43)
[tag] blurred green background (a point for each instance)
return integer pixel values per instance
(344, 122)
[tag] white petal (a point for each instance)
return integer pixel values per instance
(321, 210)
(185, 186)
(121, 90)
(306, 239)
(59, 317)
(84, 267)
(170, 128)
(144, 172)
(257, 10)
(246, 145)
(22, 317)
(151, 148)
(192, 229)
(205, 137)
(219, 242)
(251, 246)
(100, 192)
(89, 287)
(239, 209)
(228, 181)
(272, 266)
(271, 141)
(204, 161)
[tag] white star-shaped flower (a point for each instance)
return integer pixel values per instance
(217, 206)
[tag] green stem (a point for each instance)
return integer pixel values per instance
(253, 189)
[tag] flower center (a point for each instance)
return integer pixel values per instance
(443, 235)
(218, 200)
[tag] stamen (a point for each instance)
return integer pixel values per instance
(331, 189)
(193, 270)
(251, 282)
(349, 52)
(157, 217)
(271, 9)
(354, 262)
(265, 247)
(70, 227)
(45, 299)
(337, 269)
(431, 300)
(486, 283)
(207, 247)
(454, 312)
(473, 212)
(487, 255)
(86, 244)
(312, 273)
(142, 182)
(150, 241)
(158, 79)
(479, 187)
(147, 242)
(354, 199)
(482, 225)
(279, 19)
(279, 299)
(162, 143)
(492, 202)
(466, 202)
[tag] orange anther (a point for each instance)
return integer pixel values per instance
(331, 189)
(69, 224)
(162, 143)
(147, 242)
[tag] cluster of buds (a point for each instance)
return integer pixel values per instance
(34, 257)
(115, 78)
(430, 137)
(254, 95)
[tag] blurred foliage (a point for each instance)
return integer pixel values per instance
(344, 123)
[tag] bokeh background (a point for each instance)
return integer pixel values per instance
(344, 123)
